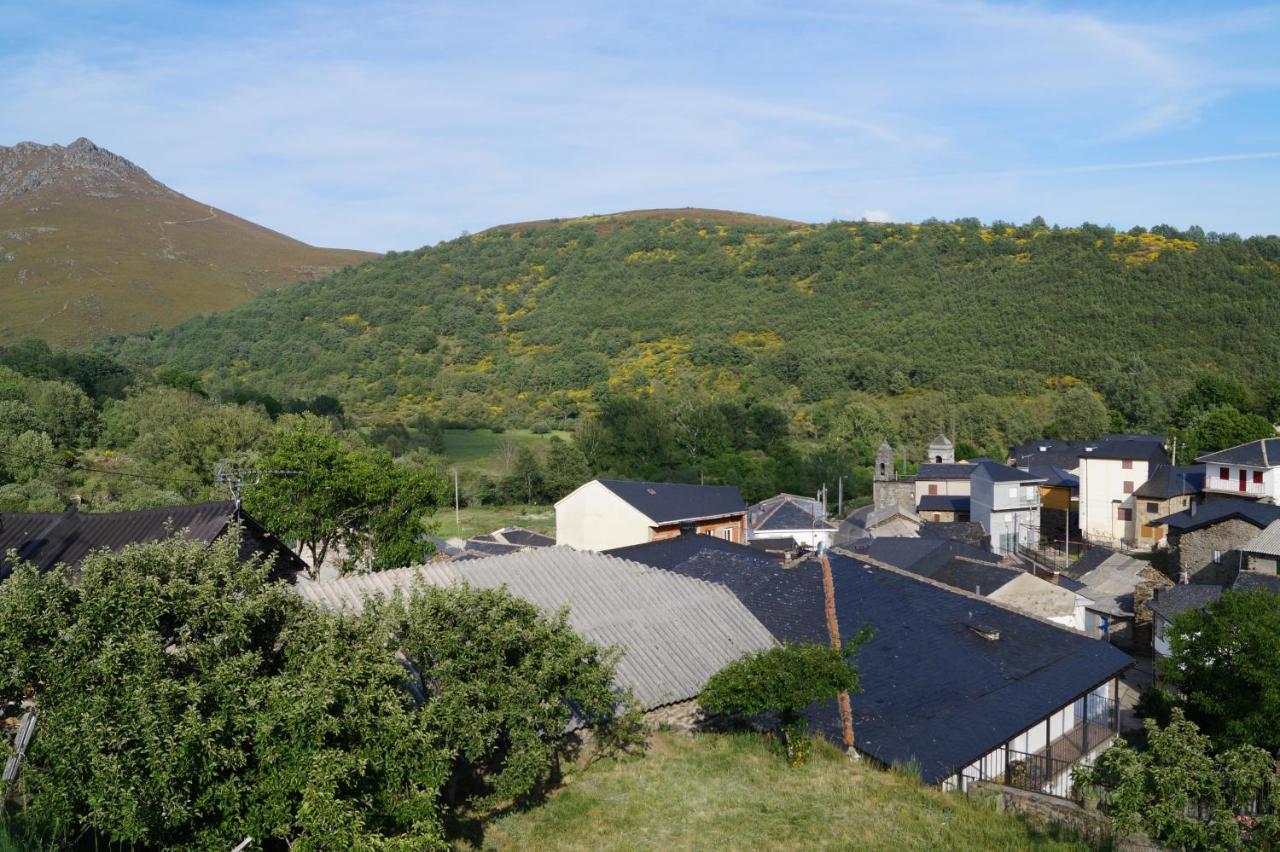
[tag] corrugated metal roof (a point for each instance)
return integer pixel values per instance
(1266, 543)
(675, 631)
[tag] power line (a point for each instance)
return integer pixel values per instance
(75, 465)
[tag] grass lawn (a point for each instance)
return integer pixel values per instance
(735, 791)
(483, 449)
(483, 519)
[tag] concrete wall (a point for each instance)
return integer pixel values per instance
(1102, 495)
(594, 518)
(894, 492)
(1192, 553)
(1229, 485)
(954, 487)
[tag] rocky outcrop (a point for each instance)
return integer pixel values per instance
(81, 167)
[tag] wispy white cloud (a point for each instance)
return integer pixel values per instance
(400, 123)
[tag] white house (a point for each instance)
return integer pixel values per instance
(1249, 471)
(789, 517)
(1109, 474)
(606, 513)
(1006, 501)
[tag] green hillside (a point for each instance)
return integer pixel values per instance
(537, 325)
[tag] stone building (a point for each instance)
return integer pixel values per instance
(1207, 543)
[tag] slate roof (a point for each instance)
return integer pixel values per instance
(788, 515)
(522, 537)
(969, 532)
(48, 539)
(1261, 453)
(1055, 477)
(1265, 543)
(1182, 598)
(1167, 481)
(1050, 452)
(669, 552)
(1252, 581)
(675, 631)
(1128, 449)
(1217, 510)
(944, 470)
(671, 502)
(1108, 579)
(997, 472)
(944, 503)
(933, 690)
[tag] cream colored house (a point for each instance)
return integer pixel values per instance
(1109, 475)
(606, 513)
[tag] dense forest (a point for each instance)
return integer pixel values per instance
(541, 325)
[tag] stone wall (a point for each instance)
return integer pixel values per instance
(683, 716)
(894, 492)
(1192, 552)
(1041, 812)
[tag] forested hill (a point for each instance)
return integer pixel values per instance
(535, 325)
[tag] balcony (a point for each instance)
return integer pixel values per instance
(1048, 770)
(1233, 487)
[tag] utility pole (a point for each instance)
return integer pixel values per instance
(840, 496)
(236, 479)
(833, 631)
(457, 518)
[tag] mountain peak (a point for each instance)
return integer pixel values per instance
(81, 168)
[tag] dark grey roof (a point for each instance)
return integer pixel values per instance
(997, 472)
(784, 545)
(1167, 481)
(1087, 561)
(944, 503)
(1252, 581)
(1053, 476)
(1128, 449)
(933, 690)
(669, 502)
(943, 470)
(489, 548)
(675, 631)
(1261, 453)
(670, 552)
(969, 532)
(1135, 436)
(1221, 509)
(1049, 452)
(48, 539)
(980, 578)
(788, 515)
(523, 537)
(1182, 598)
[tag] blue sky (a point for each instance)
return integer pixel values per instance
(389, 125)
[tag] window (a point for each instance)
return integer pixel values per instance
(937, 517)
(1153, 507)
(1128, 486)
(1123, 514)
(1224, 473)
(1013, 492)
(1127, 464)
(727, 533)
(1257, 477)
(933, 489)
(1217, 557)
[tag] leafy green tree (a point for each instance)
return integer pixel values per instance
(783, 681)
(1181, 793)
(186, 702)
(566, 468)
(524, 484)
(1078, 414)
(1210, 392)
(502, 681)
(1224, 427)
(26, 457)
(335, 495)
(1225, 660)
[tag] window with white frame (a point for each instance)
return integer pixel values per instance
(1217, 557)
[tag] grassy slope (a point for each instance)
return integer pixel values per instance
(473, 520)
(82, 267)
(734, 792)
(482, 449)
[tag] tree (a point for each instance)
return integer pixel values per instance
(334, 495)
(1078, 414)
(1224, 427)
(1181, 793)
(502, 681)
(1209, 392)
(186, 702)
(784, 681)
(1225, 660)
(566, 468)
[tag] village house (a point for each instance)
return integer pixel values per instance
(675, 632)
(1168, 491)
(1172, 602)
(501, 541)
(1262, 552)
(1248, 471)
(1118, 588)
(607, 513)
(961, 566)
(801, 520)
(962, 687)
(1006, 501)
(1207, 543)
(1109, 474)
(66, 538)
